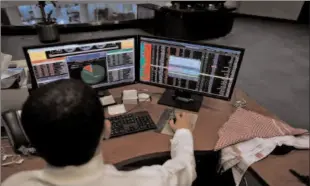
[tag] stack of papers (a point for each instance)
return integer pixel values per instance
(130, 97)
(107, 100)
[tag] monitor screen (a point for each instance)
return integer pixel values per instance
(204, 69)
(97, 63)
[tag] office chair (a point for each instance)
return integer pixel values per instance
(207, 163)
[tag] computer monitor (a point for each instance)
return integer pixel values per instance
(188, 70)
(100, 63)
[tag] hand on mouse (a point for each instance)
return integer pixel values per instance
(182, 122)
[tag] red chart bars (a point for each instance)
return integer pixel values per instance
(145, 62)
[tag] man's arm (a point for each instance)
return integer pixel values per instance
(181, 169)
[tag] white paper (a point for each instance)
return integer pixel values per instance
(130, 94)
(116, 109)
(107, 100)
(130, 97)
(143, 97)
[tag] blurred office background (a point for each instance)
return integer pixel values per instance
(28, 13)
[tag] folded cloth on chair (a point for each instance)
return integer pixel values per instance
(248, 137)
(244, 125)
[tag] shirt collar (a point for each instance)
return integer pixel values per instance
(91, 168)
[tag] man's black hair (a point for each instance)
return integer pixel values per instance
(64, 121)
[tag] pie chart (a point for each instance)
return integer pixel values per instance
(93, 74)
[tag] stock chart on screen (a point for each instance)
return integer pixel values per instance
(199, 68)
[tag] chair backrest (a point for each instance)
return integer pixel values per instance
(207, 166)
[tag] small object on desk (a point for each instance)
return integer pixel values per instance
(304, 179)
(5, 156)
(13, 78)
(130, 97)
(26, 151)
(240, 103)
(17, 160)
(107, 100)
(20, 161)
(10, 159)
(130, 101)
(12, 65)
(144, 97)
(116, 109)
(131, 123)
(130, 93)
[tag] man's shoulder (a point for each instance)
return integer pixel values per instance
(24, 178)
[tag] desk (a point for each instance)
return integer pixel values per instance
(212, 115)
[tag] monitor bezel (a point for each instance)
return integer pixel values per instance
(242, 50)
(31, 72)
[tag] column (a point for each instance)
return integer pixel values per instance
(84, 13)
(14, 15)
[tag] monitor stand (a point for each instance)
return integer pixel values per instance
(181, 99)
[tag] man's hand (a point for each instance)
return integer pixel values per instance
(107, 129)
(182, 122)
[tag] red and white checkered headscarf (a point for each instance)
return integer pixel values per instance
(244, 125)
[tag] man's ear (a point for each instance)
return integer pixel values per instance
(107, 129)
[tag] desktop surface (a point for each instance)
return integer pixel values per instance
(212, 115)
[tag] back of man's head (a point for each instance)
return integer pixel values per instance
(64, 121)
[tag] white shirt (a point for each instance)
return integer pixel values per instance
(179, 171)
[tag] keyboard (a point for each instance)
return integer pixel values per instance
(131, 123)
